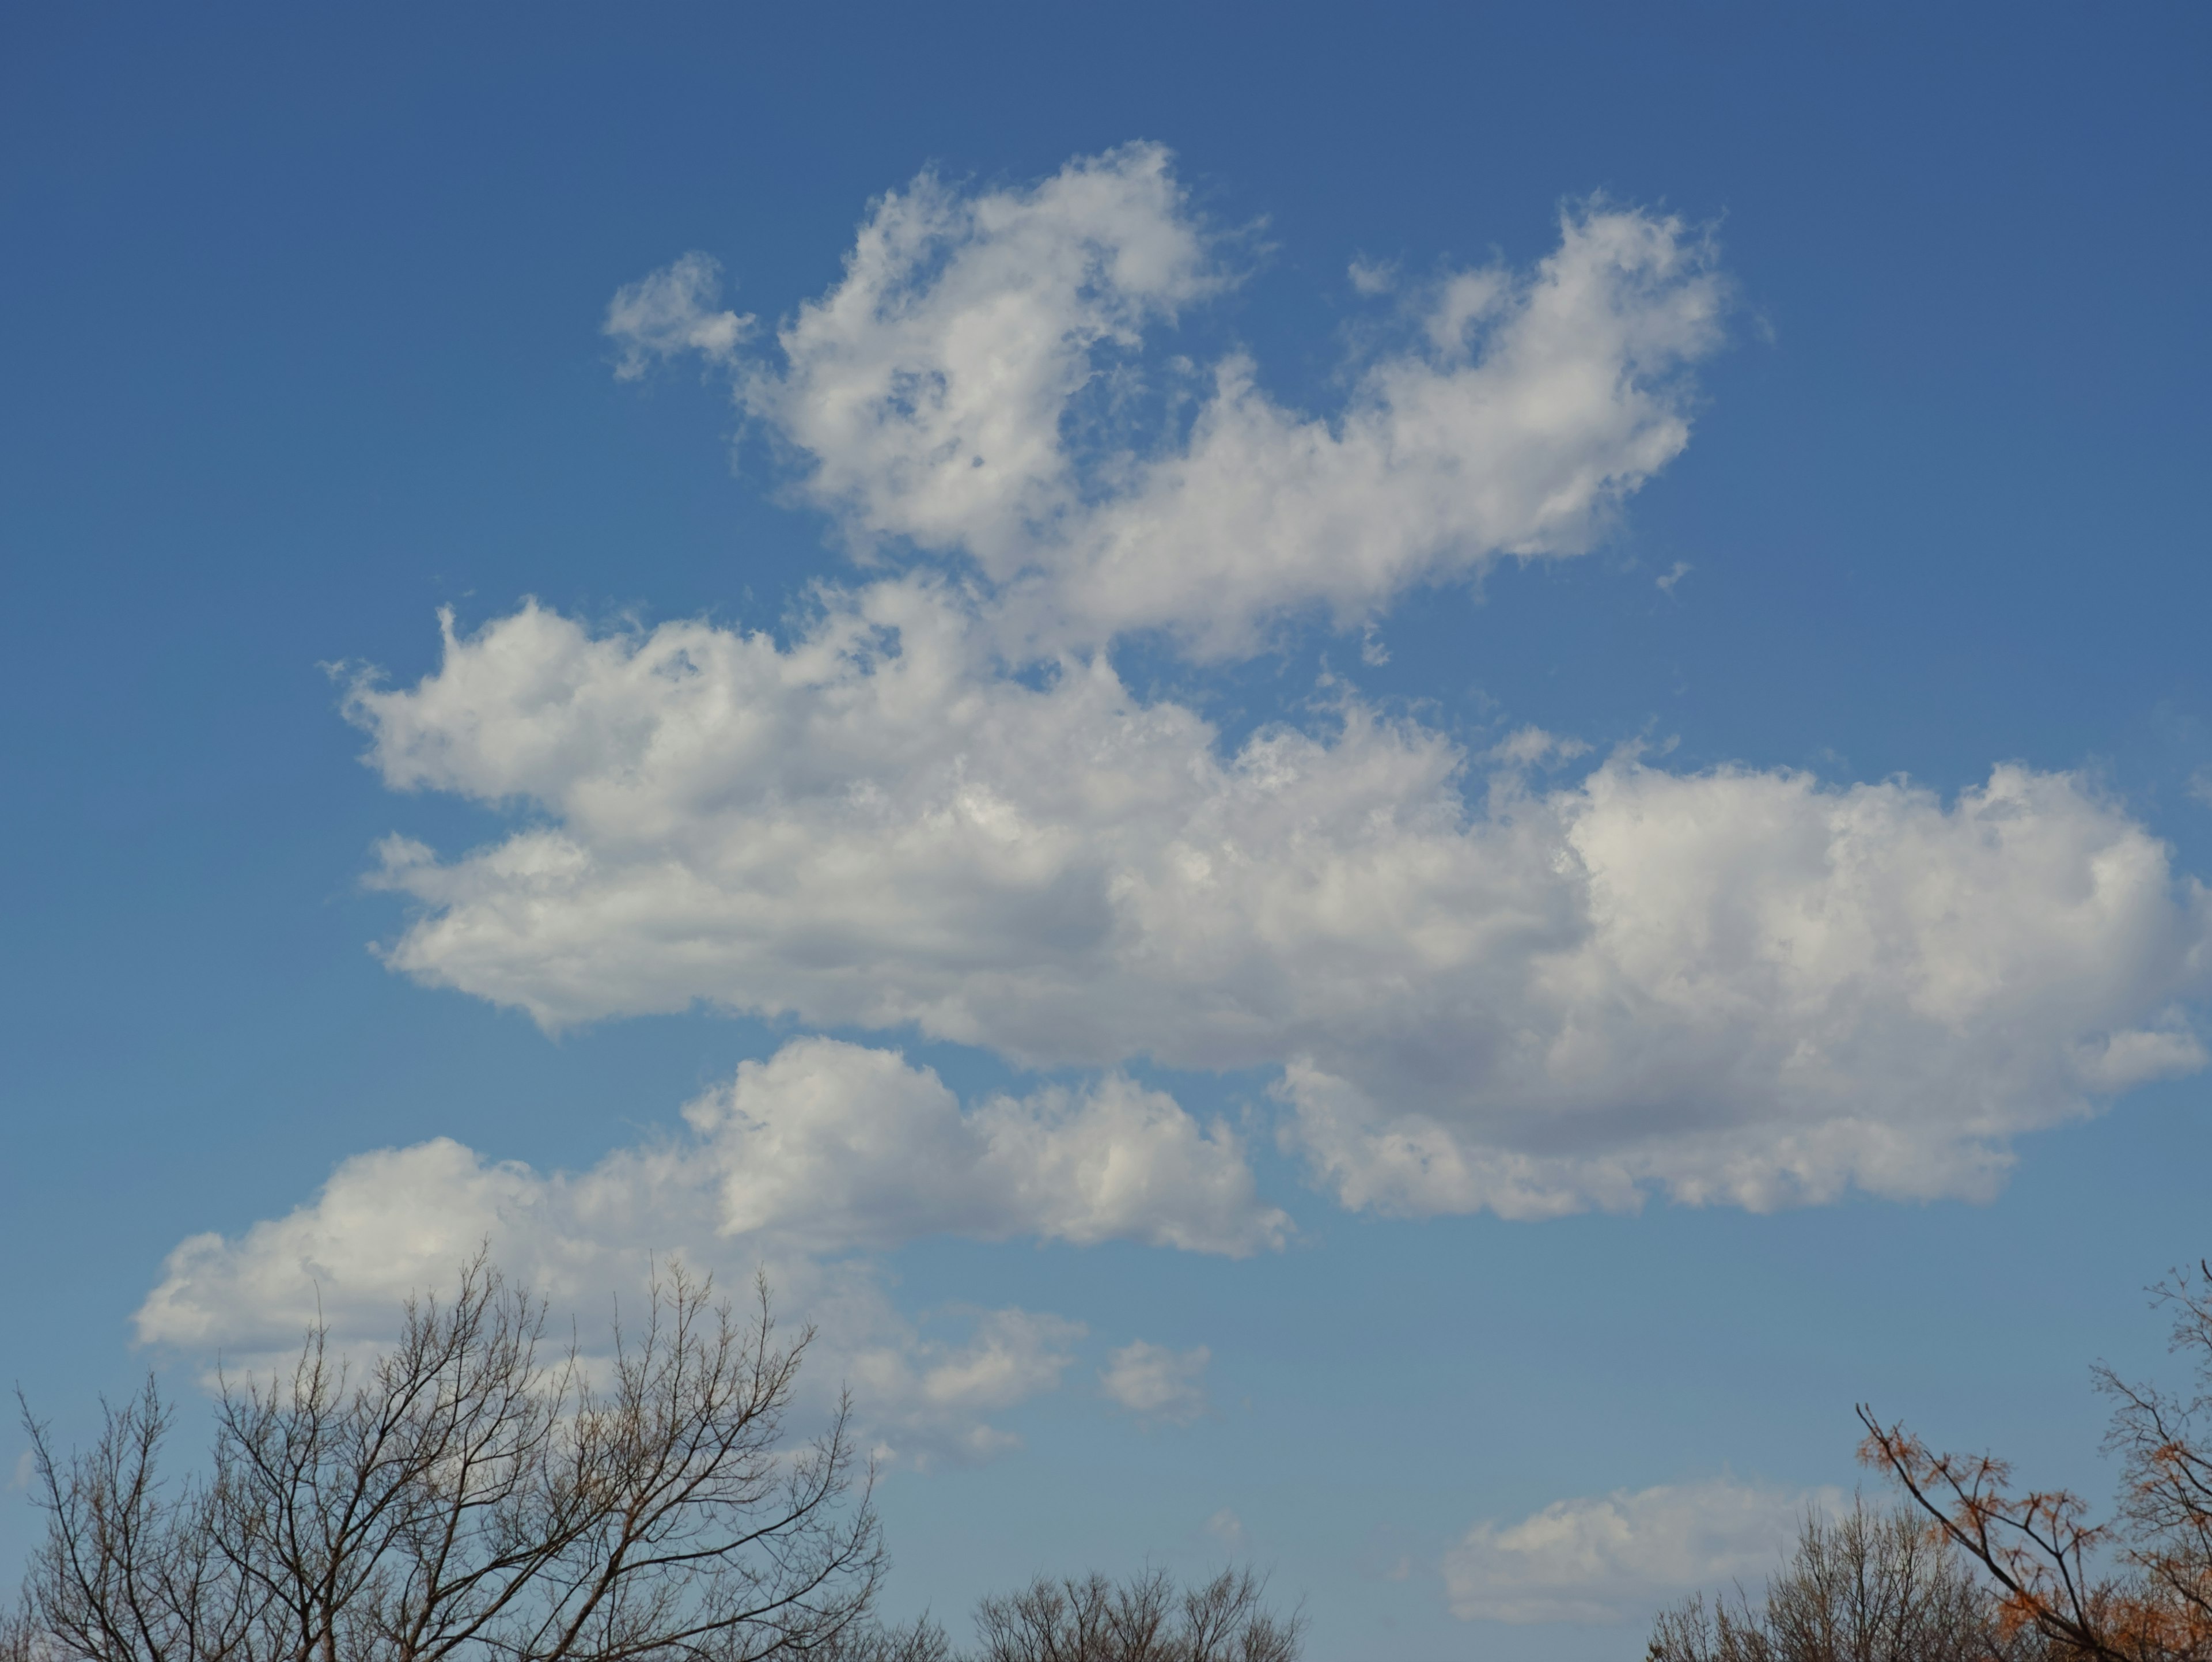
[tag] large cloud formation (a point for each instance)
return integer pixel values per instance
(1736, 986)
(931, 805)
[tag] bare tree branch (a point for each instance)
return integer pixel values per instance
(469, 1498)
(2040, 1546)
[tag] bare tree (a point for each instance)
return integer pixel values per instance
(1146, 1618)
(1143, 1619)
(2136, 1588)
(1869, 1586)
(468, 1498)
(920, 1640)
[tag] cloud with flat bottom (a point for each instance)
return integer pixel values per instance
(1736, 986)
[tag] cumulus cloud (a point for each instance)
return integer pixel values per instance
(1734, 985)
(1158, 1382)
(977, 385)
(1614, 1557)
(835, 1145)
(668, 312)
(395, 1223)
(824, 1148)
(929, 390)
(1513, 979)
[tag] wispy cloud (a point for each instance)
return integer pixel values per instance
(1157, 1382)
(670, 312)
(1373, 276)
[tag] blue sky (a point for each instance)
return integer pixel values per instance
(1395, 914)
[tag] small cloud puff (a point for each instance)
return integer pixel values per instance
(1373, 276)
(1158, 1382)
(1529, 747)
(667, 313)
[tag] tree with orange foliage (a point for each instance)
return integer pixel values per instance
(2135, 1587)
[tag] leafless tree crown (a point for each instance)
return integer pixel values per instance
(468, 1497)
(1143, 1619)
(1146, 1618)
(1869, 1586)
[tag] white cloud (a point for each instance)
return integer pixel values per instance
(1158, 1382)
(928, 389)
(1226, 1527)
(1530, 747)
(1476, 988)
(667, 313)
(1015, 1355)
(975, 385)
(823, 1147)
(1733, 986)
(1372, 276)
(835, 1145)
(924, 1398)
(1615, 1557)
